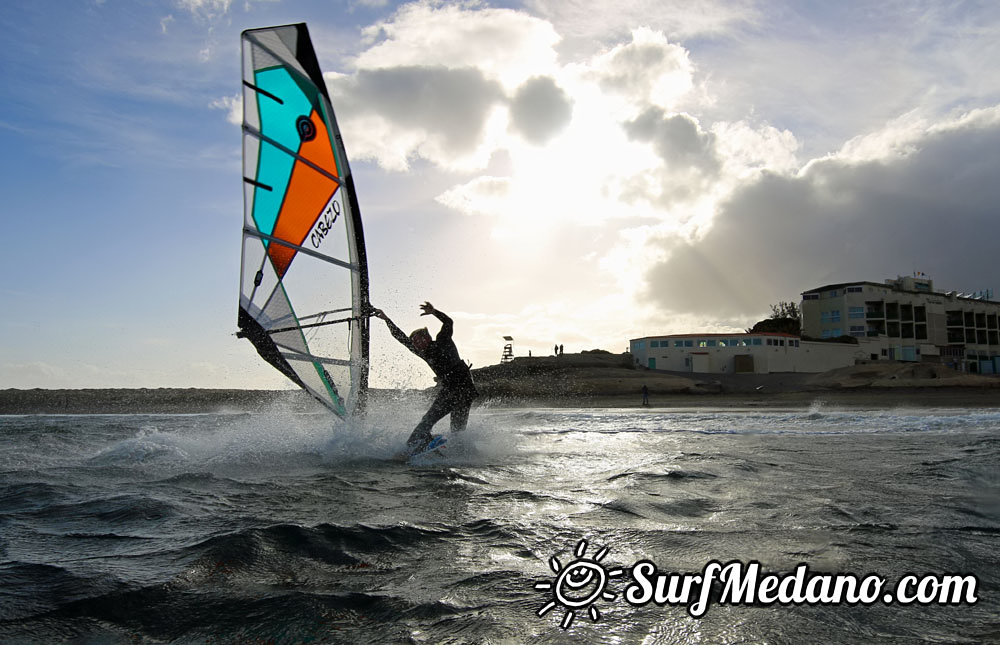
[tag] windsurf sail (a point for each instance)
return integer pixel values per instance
(304, 278)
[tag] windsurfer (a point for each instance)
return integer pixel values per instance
(453, 375)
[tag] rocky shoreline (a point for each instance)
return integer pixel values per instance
(590, 379)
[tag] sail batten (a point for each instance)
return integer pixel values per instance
(301, 249)
(256, 133)
(303, 242)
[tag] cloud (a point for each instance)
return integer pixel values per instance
(678, 140)
(435, 111)
(205, 9)
(597, 20)
(540, 109)
(506, 45)
(646, 70)
(436, 81)
(929, 208)
(690, 165)
(233, 106)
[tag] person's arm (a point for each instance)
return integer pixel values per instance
(447, 325)
(396, 332)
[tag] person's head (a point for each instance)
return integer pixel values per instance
(421, 339)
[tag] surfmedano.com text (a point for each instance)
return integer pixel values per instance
(744, 584)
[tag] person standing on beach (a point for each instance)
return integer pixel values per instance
(453, 375)
(645, 395)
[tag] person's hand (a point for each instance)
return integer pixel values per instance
(427, 308)
(378, 313)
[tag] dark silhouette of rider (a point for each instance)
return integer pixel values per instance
(453, 375)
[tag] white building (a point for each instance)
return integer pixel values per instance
(760, 353)
(906, 320)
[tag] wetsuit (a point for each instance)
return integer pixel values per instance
(453, 375)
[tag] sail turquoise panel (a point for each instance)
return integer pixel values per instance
(283, 106)
(277, 123)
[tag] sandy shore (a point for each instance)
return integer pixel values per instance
(866, 399)
(193, 401)
(589, 379)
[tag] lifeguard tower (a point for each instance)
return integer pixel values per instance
(508, 350)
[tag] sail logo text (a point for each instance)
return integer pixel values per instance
(736, 583)
(325, 223)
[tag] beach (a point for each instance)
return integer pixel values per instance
(599, 380)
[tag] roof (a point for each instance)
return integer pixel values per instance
(731, 335)
(894, 287)
(842, 285)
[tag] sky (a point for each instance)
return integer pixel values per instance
(563, 172)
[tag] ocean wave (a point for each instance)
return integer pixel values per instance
(34, 495)
(29, 589)
(288, 549)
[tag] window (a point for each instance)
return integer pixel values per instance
(810, 296)
(678, 343)
(856, 312)
(854, 289)
(654, 343)
(757, 341)
(858, 330)
(833, 294)
(830, 316)
(689, 343)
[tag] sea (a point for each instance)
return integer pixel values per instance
(535, 525)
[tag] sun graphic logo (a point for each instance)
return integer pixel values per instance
(578, 585)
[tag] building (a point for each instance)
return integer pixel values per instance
(759, 353)
(907, 320)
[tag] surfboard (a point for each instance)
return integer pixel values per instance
(433, 449)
